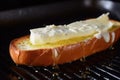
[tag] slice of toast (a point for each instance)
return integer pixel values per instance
(24, 52)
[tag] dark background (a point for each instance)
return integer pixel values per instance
(13, 4)
(17, 12)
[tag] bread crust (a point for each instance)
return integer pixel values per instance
(65, 54)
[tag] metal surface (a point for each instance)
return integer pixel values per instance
(101, 66)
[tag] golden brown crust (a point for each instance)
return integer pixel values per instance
(30, 57)
(68, 53)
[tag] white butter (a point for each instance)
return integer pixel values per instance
(113, 36)
(53, 33)
(106, 36)
(55, 53)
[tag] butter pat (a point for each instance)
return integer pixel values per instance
(53, 33)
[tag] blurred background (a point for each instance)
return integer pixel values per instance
(33, 11)
(21, 11)
(12, 4)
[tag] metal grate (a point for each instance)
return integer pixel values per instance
(103, 66)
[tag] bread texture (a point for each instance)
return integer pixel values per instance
(61, 54)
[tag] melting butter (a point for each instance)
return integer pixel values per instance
(113, 36)
(53, 33)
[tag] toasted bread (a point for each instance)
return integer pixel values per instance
(24, 53)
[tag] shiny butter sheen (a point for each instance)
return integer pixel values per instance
(52, 33)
